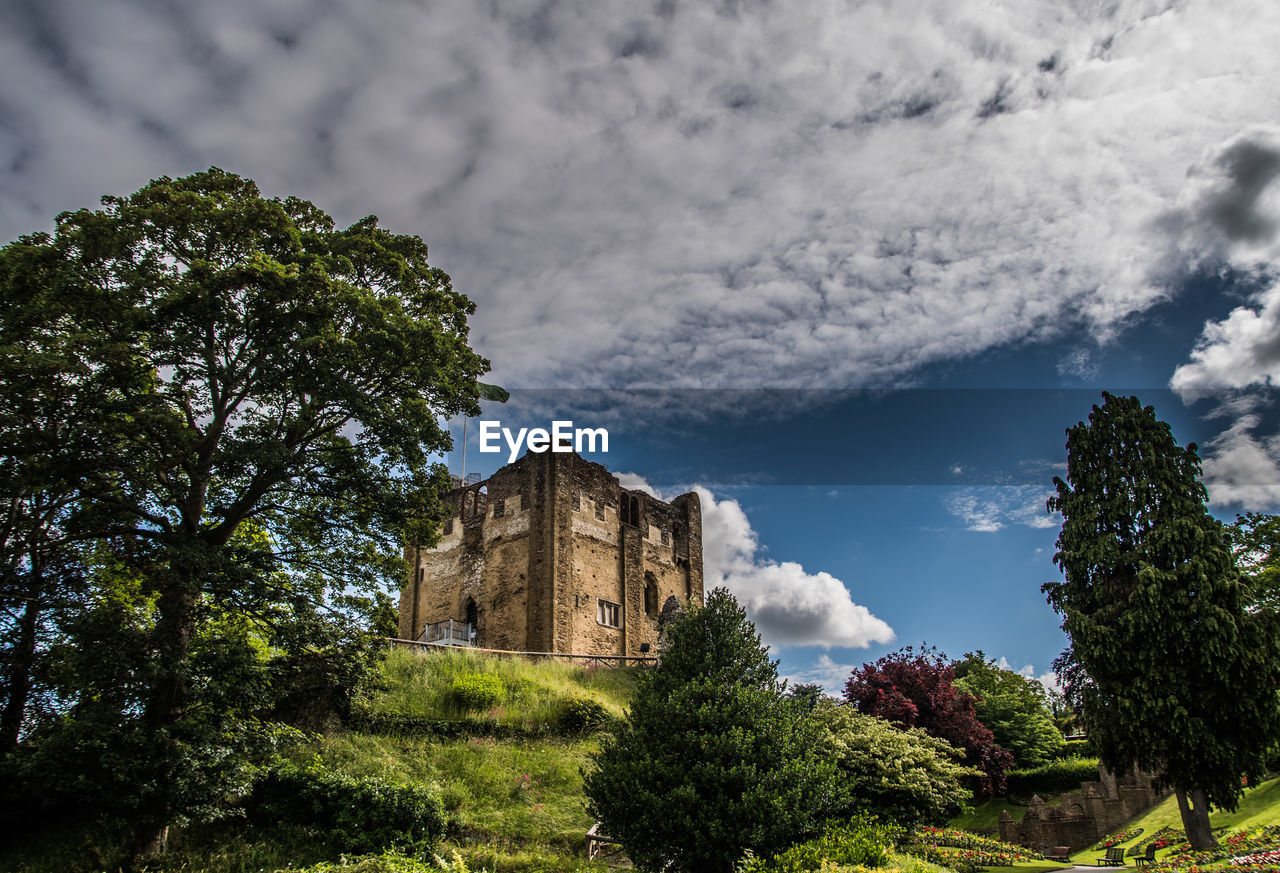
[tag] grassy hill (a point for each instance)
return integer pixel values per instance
(507, 768)
(509, 774)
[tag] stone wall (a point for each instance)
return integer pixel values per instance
(1082, 817)
(543, 547)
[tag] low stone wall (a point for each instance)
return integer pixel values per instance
(1082, 817)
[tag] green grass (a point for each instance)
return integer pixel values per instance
(521, 792)
(1259, 806)
(420, 683)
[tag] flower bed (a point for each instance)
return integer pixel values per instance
(965, 852)
(1117, 839)
(1256, 850)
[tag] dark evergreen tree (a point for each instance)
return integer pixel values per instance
(713, 759)
(1168, 670)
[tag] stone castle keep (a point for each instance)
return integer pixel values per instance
(552, 554)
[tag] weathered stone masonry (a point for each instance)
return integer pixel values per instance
(1082, 817)
(552, 554)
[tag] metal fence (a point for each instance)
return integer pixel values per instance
(449, 632)
(585, 660)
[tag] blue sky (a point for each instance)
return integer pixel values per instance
(953, 200)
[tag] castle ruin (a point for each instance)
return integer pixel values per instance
(552, 554)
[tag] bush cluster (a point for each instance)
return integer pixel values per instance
(349, 814)
(1053, 778)
(582, 715)
(477, 691)
(862, 842)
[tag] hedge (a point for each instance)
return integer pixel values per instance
(347, 814)
(1052, 778)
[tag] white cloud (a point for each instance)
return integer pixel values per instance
(1242, 469)
(825, 672)
(1048, 679)
(1240, 351)
(991, 508)
(698, 193)
(789, 605)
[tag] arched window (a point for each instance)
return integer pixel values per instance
(472, 617)
(650, 594)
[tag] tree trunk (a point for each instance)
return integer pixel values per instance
(166, 706)
(18, 681)
(1195, 818)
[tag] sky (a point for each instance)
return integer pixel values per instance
(850, 269)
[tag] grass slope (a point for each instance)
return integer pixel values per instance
(514, 805)
(1259, 806)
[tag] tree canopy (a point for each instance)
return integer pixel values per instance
(249, 399)
(1014, 707)
(1168, 670)
(915, 689)
(902, 776)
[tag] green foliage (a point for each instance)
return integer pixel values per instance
(1077, 749)
(349, 814)
(861, 842)
(808, 695)
(902, 776)
(252, 399)
(1056, 777)
(712, 759)
(416, 689)
(516, 791)
(478, 691)
(1013, 707)
(389, 861)
(1167, 668)
(582, 715)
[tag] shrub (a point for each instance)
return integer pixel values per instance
(904, 776)
(712, 760)
(348, 814)
(1077, 749)
(582, 715)
(862, 842)
(474, 691)
(1053, 778)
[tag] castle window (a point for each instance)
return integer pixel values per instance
(666, 537)
(650, 594)
(608, 614)
(499, 507)
(629, 509)
(448, 526)
(600, 509)
(577, 502)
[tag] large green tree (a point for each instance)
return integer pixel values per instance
(274, 386)
(1166, 667)
(1013, 707)
(713, 758)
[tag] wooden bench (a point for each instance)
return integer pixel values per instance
(595, 840)
(1058, 853)
(1114, 858)
(1144, 860)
